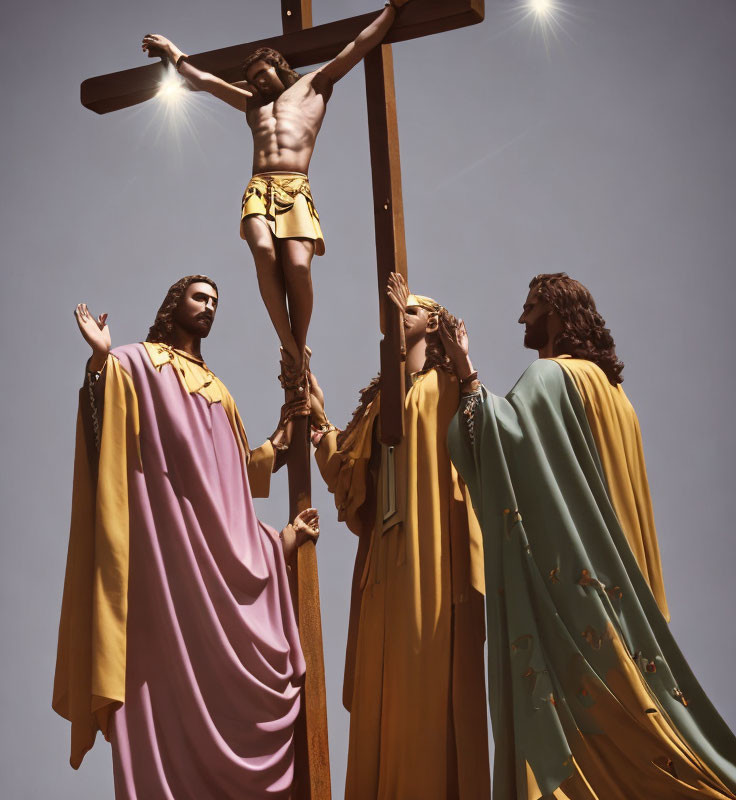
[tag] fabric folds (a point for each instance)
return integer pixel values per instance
(284, 200)
(207, 668)
(590, 696)
(89, 682)
(615, 430)
(414, 682)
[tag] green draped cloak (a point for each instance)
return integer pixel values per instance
(590, 696)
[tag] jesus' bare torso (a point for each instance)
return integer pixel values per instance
(285, 129)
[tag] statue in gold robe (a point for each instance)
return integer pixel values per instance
(414, 674)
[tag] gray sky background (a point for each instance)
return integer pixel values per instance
(607, 153)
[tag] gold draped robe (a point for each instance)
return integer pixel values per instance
(615, 428)
(414, 674)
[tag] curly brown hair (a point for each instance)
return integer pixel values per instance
(435, 358)
(584, 332)
(163, 325)
(287, 75)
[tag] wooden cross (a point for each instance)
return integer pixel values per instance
(304, 45)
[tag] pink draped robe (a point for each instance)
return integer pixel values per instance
(213, 664)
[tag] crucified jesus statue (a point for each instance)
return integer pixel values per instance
(279, 220)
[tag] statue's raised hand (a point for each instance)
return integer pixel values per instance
(96, 333)
(455, 341)
(398, 290)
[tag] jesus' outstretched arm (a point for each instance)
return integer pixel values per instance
(353, 53)
(236, 96)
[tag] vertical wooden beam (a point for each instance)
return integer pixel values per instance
(311, 750)
(296, 15)
(311, 747)
(388, 211)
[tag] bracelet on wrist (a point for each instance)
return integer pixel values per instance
(96, 372)
(325, 427)
(468, 379)
(318, 432)
(181, 58)
(470, 388)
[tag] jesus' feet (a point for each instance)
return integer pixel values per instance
(294, 379)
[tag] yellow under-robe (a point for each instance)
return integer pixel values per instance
(89, 682)
(615, 428)
(414, 673)
(638, 749)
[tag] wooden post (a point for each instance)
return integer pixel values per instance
(296, 15)
(388, 212)
(311, 746)
(312, 756)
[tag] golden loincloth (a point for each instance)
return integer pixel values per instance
(284, 200)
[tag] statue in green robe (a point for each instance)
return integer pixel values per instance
(590, 696)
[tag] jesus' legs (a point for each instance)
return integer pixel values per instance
(296, 259)
(271, 282)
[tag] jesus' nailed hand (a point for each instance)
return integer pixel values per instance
(279, 220)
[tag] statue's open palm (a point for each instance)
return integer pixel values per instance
(454, 340)
(398, 290)
(306, 526)
(95, 330)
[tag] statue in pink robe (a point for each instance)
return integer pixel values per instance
(177, 637)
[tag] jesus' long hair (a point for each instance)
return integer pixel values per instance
(584, 332)
(163, 325)
(435, 358)
(286, 74)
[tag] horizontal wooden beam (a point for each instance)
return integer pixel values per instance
(302, 48)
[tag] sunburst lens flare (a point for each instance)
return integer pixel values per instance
(175, 106)
(171, 89)
(546, 16)
(541, 7)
